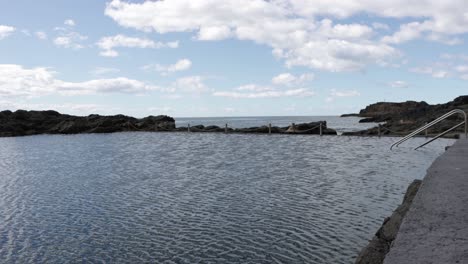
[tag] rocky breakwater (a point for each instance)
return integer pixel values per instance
(22, 123)
(304, 128)
(379, 246)
(402, 118)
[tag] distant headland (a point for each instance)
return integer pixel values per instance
(397, 119)
(401, 118)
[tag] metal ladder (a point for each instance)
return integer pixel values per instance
(419, 130)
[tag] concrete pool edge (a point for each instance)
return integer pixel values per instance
(434, 228)
(379, 246)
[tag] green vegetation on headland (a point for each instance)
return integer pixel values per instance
(402, 118)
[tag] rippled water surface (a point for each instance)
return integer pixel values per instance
(199, 198)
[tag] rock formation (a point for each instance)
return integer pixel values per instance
(304, 128)
(21, 123)
(378, 247)
(402, 118)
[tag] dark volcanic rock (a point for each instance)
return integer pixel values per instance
(402, 118)
(378, 247)
(348, 115)
(306, 128)
(311, 128)
(21, 123)
(383, 110)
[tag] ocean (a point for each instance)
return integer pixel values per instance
(139, 197)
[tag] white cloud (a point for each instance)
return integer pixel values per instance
(345, 93)
(304, 33)
(450, 56)
(437, 37)
(69, 39)
(114, 85)
(406, 33)
(451, 65)
(159, 110)
(17, 81)
(415, 30)
(282, 87)
(289, 79)
(6, 31)
(41, 35)
(254, 88)
(436, 73)
(288, 27)
(462, 68)
(398, 84)
(190, 84)
(214, 33)
(229, 110)
(108, 44)
(26, 32)
(69, 108)
(440, 74)
(104, 70)
(302, 92)
(69, 22)
(180, 65)
(382, 26)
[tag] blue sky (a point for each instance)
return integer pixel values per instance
(229, 58)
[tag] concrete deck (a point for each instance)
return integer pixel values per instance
(435, 229)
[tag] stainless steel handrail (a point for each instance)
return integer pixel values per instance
(419, 130)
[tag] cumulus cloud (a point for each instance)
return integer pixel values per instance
(341, 93)
(461, 68)
(69, 22)
(434, 72)
(163, 109)
(104, 70)
(108, 44)
(70, 40)
(289, 79)
(289, 27)
(282, 87)
(377, 25)
(17, 81)
(406, 33)
(190, 84)
(6, 31)
(451, 65)
(301, 92)
(41, 35)
(67, 38)
(69, 108)
(346, 93)
(398, 84)
(252, 91)
(254, 88)
(180, 65)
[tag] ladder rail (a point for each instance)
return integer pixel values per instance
(436, 121)
(440, 135)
